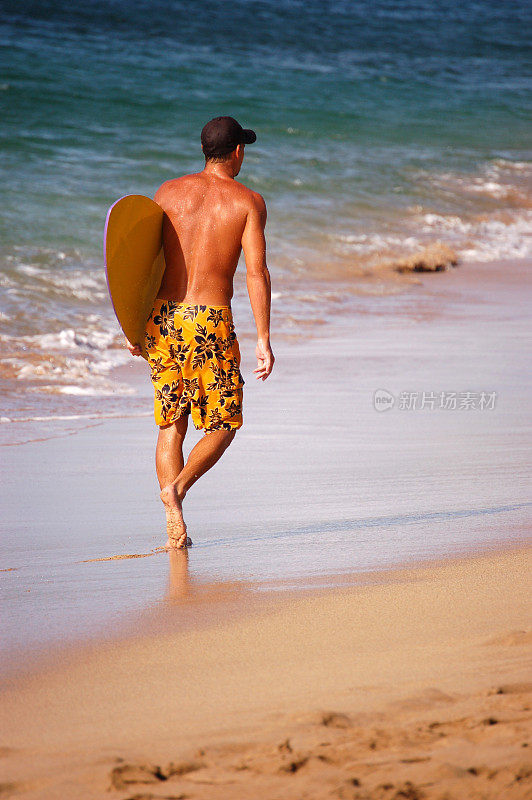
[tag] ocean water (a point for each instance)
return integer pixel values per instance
(382, 126)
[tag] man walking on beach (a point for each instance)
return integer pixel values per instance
(190, 339)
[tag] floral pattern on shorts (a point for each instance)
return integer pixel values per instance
(195, 365)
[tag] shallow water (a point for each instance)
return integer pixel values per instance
(381, 127)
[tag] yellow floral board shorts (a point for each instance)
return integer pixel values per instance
(195, 365)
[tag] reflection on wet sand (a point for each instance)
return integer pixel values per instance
(179, 584)
(197, 599)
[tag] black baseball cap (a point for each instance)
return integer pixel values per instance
(221, 135)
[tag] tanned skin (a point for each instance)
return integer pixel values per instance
(209, 219)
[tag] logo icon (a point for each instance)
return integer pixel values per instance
(383, 400)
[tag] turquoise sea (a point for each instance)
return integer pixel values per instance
(381, 126)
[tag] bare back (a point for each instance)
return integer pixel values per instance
(204, 222)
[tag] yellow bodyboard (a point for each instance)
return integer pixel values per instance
(134, 261)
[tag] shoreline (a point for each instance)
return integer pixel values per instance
(418, 684)
(434, 292)
(206, 603)
(395, 487)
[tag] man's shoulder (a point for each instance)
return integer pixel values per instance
(173, 185)
(254, 200)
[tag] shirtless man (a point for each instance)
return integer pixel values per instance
(193, 352)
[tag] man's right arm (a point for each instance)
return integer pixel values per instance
(258, 282)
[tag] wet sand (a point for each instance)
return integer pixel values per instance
(317, 483)
(414, 687)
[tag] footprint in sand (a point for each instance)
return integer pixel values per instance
(511, 688)
(425, 699)
(126, 775)
(512, 638)
(333, 719)
(149, 796)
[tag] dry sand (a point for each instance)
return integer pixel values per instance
(414, 686)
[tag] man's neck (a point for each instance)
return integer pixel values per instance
(219, 169)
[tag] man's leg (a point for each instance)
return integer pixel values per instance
(169, 463)
(202, 457)
(169, 453)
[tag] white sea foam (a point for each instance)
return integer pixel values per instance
(69, 362)
(497, 226)
(32, 271)
(58, 333)
(491, 188)
(507, 164)
(81, 283)
(440, 223)
(71, 417)
(484, 239)
(82, 371)
(480, 237)
(372, 243)
(499, 178)
(94, 391)
(69, 339)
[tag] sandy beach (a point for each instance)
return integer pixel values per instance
(414, 686)
(352, 633)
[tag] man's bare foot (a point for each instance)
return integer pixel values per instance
(173, 544)
(175, 524)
